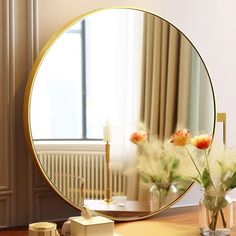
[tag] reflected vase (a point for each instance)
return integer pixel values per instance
(162, 195)
(215, 213)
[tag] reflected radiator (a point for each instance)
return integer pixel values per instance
(64, 168)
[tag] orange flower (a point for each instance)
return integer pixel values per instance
(139, 137)
(180, 137)
(202, 141)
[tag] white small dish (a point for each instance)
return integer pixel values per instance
(119, 199)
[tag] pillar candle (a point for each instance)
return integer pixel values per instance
(106, 132)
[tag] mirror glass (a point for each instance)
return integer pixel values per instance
(108, 74)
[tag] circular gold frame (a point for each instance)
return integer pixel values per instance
(27, 97)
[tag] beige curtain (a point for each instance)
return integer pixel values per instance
(201, 105)
(165, 80)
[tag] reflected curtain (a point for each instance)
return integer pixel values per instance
(176, 92)
(201, 105)
(165, 79)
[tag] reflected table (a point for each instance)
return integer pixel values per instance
(129, 209)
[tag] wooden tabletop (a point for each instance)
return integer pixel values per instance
(173, 222)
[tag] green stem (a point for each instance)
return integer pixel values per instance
(212, 225)
(208, 167)
(223, 218)
(162, 196)
(208, 218)
(193, 161)
(216, 217)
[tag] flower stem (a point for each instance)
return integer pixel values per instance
(193, 161)
(212, 225)
(208, 167)
(215, 220)
(223, 218)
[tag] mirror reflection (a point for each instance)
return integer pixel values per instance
(121, 70)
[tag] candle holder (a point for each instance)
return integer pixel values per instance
(108, 191)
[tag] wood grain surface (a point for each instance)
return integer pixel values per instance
(173, 222)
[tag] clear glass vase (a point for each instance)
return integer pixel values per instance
(162, 195)
(215, 213)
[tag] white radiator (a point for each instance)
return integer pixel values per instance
(64, 168)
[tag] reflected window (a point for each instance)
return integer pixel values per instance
(89, 76)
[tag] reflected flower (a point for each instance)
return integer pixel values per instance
(139, 137)
(180, 137)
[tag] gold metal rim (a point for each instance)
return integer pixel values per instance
(27, 97)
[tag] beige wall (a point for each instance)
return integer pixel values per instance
(25, 25)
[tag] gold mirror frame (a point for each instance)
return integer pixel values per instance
(26, 109)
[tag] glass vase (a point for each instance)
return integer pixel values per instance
(162, 195)
(215, 213)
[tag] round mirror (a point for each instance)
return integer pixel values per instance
(90, 88)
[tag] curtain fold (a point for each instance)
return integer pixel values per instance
(185, 80)
(166, 72)
(201, 105)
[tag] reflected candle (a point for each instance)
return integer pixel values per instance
(106, 132)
